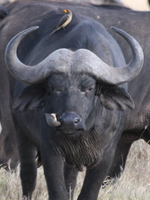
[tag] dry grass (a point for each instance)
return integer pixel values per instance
(134, 183)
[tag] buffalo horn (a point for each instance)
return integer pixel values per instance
(36, 73)
(94, 66)
(82, 61)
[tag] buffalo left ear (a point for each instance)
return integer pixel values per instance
(116, 98)
(30, 98)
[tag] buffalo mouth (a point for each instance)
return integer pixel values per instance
(69, 132)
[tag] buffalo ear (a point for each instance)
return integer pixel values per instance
(31, 97)
(116, 98)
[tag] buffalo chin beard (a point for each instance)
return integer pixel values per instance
(78, 148)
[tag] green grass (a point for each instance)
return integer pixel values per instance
(134, 183)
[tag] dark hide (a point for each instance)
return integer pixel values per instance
(27, 123)
(3, 12)
(8, 147)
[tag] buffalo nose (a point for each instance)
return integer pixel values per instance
(70, 120)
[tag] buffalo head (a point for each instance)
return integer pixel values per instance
(68, 83)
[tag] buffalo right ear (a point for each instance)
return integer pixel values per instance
(116, 98)
(31, 97)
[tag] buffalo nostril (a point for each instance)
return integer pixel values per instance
(70, 120)
(60, 119)
(76, 120)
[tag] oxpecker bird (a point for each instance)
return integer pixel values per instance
(64, 21)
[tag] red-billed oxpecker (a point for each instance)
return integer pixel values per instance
(64, 21)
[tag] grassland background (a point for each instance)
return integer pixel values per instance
(134, 183)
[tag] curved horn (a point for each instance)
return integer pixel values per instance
(34, 74)
(135, 65)
(107, 74)
(85, 61)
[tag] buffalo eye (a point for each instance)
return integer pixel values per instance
(51, 89)
(91, 88)
(88, 89)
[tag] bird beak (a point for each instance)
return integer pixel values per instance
(52, 119)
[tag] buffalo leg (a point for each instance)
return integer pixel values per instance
(96, 175)
(8, 144)
(70, 178)
(28, 169)
(53, 165)
(122, 151)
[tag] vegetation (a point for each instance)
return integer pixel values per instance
(134, 184)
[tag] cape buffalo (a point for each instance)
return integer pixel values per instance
(137, 120)
(78, 78)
